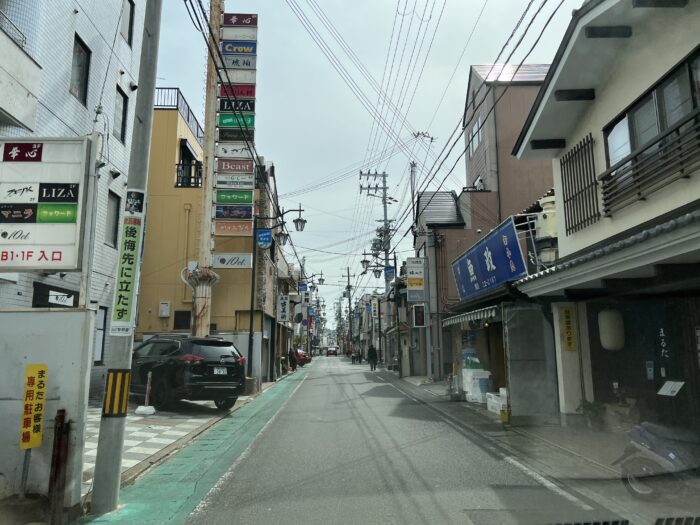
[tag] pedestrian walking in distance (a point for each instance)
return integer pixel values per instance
(372, 357)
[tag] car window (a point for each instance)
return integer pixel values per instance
(165, 348)
(214, 349)
(143, 351)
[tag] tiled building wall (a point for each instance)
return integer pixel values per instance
(50, 27)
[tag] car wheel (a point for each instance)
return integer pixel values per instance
(641, 479)
(225, 404)
(160, 396)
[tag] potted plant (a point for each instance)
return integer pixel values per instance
(594, 413)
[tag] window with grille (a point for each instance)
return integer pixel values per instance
(580, 186)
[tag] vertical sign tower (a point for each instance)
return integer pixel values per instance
(234, 180)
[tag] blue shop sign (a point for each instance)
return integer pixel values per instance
(303, 287)
(494, 260)
(389, 273)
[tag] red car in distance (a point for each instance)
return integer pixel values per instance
(302, 357)
(332, 350)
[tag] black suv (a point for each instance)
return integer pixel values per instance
(186, 367)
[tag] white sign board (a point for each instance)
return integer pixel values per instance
(233, 150)
(283, 308)
(43, 188)
(242, 181)
(240, 61)
(415, 279)
(239, 76)
(239, 33)
(232, 260)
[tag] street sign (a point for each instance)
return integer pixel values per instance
(233, 212)
(233, 150)
(494, 260)
(33, 406)
(304, 322)
(232, 260)
(264, 238)
(239, 33)
(239, 19)
(234, 106)
(233, 228)
(389, 273)
(238, 47)
(245, 181)
(235, 135)
(237, 90)
(236, 120)
(42, 195)
(415, 286)
(234, 197)
(303, 287)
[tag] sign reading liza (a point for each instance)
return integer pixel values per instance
(494, 260)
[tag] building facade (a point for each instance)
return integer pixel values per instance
(622, 134)
(70, 69)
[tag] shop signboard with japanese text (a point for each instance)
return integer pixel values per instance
(233, 228)
(236, 120)
(233, 150)
(42, 196)
(239, 19)
(283, 308)
(239, 62)
(494, 260)
(415, 282)
(240, 75)
(237, 90)
(234, 197)
(243, 181)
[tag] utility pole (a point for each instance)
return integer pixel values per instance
(413, 190)
(202, 279)
(108, 462)
(375, 190)
(348, 290)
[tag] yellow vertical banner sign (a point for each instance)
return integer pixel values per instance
(33, 406)
(567, 328)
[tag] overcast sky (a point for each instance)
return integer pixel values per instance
(312, 126)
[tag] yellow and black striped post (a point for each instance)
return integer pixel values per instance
(116, 393)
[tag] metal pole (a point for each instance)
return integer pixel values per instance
(111, 440)
(429, 316)
(253, 283)
(204, 278)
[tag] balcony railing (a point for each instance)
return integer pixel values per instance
(12, 30)
(673, 155)
(173, 98)
(188, 175)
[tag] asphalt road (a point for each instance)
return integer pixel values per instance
(352, 447)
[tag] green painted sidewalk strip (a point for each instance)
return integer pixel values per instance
(169, 492)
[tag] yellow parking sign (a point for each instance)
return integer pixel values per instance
(33, 406)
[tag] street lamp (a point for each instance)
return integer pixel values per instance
(299, 224)
(377, 273)
(365, 263)
(282, 238)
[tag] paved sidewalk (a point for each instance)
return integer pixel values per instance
(147, 439)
